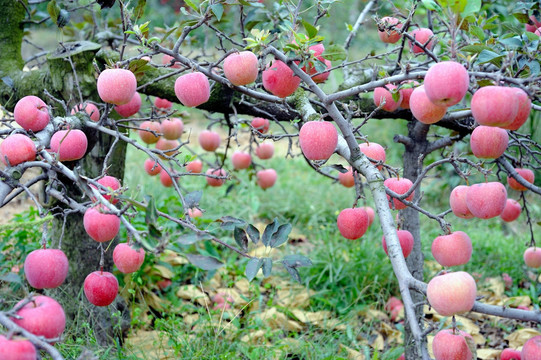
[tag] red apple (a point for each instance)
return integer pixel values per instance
(17, 348)
(346, 178)
(172, 128)
(532, 257)
(453, 249)
(526, 174)
(101, 288)
(406, 93)
(131, 107)
(116, 86)
(99, 225)
(446, 83)
(279, 79)
(91, 109)
(165, 179)
(209, 140)
(261, 125)
(510, 354)
(16, 149)
(163, 104)
(425, 110)
(399, 186)
(31, 113)
(112, 184)
(457, 200)
(374, 151)
(194, 213)
(165, 145)
(265, 150)
(512, 211)
(128, 259)
(195, 166)
(311, 70)
(449, 344)
(421, 35)
(46, 268)
(149, 131)
(371, 214)
(241, 160)
(70, 144)
(384, 29)
(406, 242)
(382, 94)
(352, 223)
(266, 178)
(170, 61)
(392, 303)
(452, 293)
(535, 24)
(532, 349)
(43, 316)
(524, 109)
(213, 181)
(192, 89)
(495, 106)
(318, 140)
(152, 167)
(488, 142)
(486, 200)
(241, 68)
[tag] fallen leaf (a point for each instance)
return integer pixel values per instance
(519, 337)
(150, 344)
(277, 320)
(193, 293)
(255, 337)
(352, 354)
(488, 354)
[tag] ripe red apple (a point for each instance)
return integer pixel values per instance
(279, 79)
(149, 131)
(17, 148)
(265, 150)
(374, 151)
(266, 178)
(532, 349)
(128, 259)
(165, 145)
(194, 213)
(495, 105)
(311, 70)
(457, 201)
(512, 211)
(101, 288)
(421, 35)
(452, 293)
(168, 59)
(241, 160)
(241, 68)
(43, 316)
(31, 113)
(510, 354)
(318, 140)
(195, 166)
(116, 86)
(222, 301)
(46, 268)
(423, 109)
(385, 33)
(165, 179)
(209, 140)
(406, 93)
(532, 257)
(163, 104)
(453, 249)
(384, 94)
(535, 24)
(392, 303)
(17, 348)
(152, 167)
(527, 174)
(486, 200)
(216, 172)
(172, 128)
(449, 344)
(538, 31)
(131, 107)
(524, 109)
(352, 223)
(261, 125)
(70, 144)
(446, 83)
(346, 178)
(371, 214)
(99, 225)
(406, 242)
(91, 109)
(488, 142)
(192, 89)
(399, 186)
(112, 184)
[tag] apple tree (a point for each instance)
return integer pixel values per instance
(456, 71)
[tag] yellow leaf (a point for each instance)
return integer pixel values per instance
(488, 354)
(277, 320)
(519, 337)
(243, 285)
(293, 299)
(496, 286)
(373, 314)
(254, 337)
(352, 354)
(162, 271)
(154, 301)
(378, 343)
(150, 344)
(518, 301)
(193, 293)
(238, 301)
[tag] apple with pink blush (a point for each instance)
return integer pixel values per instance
(260, 124)
(241, 68)
(169, 147)
(100, 225)
(16, 149)
(510, 354)
(452, 249)
(149, 132)
(399, 186)
(446, 83)
(17, 348)
(214, 182)
(152, 167)
(512, 211)
(69, 145)
(406, 93)
(241, 160)
(265, 150)
(486, 200)
(172, 128)
(352, 223)
(532, 349)
(209, 140)
(100, 288)
(424, 37)
(526, 174)
(374, 151)
(116, 86)
(46, 268)
(383, 94)
(131, 107)
(452, 293)
(31, 113)
(346, 179)
(318, 140)
(91, 109)
(166, 179)
(194, 166)
(457, 201)
(192, 89)
(386, 34)
(423, 109)
(163, 104)
(279, 79)
(127, 258)
(42, 316)
(406, 242)
(452, 344)
(495, 106)
(266, 178)
(488, 142)
(532, 257)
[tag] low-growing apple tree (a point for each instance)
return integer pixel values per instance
(456, 71)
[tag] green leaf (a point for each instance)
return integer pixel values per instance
(252, 268)
(63, 18)
(267, 266)
(204, 262)
(522, 17)
(11, 277)
(139, 10)
(477, 32)
(217, 10)
(431, 5)
(456, 5)
(154, 232)
(192, 5)
(54, 10)
(472, 7)
(334, 53)
(192, 199)
(512, 42)
(241, 238)
(230, 223)
(475, 49)
(296, 261)
(489, 56)
(253, 233)
(280, 236)
(311, 30)
(269, 230)
(151, 214)
(293, 272)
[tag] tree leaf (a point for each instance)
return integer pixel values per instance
(63, 18)
(192, 199)
(153, 231)
(191, 238)
(269, 230)
(267, 266)
(475, 49)
(204, 262)
(311, 30)
(229, 222)
(292, 271)
(334, 53)
(151, 214)
(296, 261)
(252, 268)
(253, 233)
(472, 7)
(280, 236)
(241, 238)
(192, 5)
(139, 10)
(217, 10)
(490, 56)
(11, 277)
(54, 10)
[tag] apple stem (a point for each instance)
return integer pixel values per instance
(454, 325)
(44, 236)
(102, 261)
